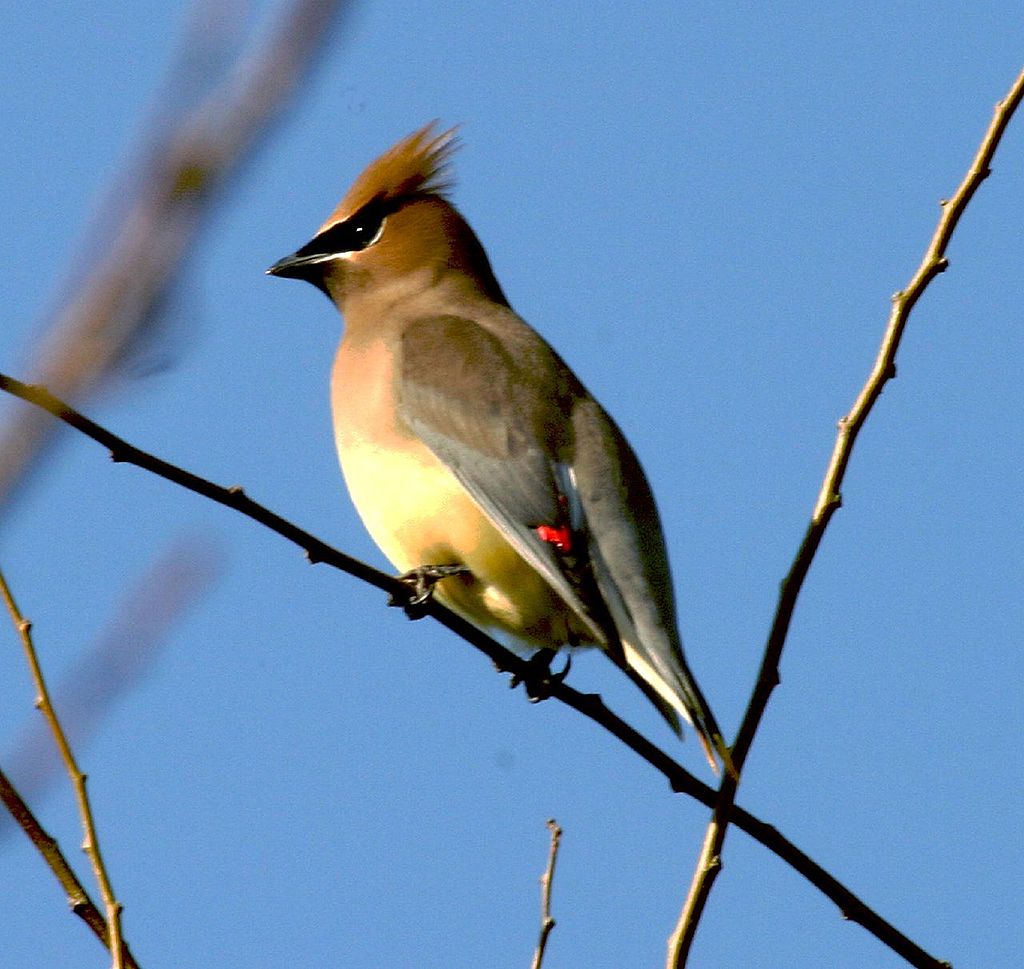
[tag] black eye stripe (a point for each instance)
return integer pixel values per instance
(355, 234)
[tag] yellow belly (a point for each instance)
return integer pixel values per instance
(419, 514)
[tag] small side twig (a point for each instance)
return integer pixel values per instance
(90, 842)
(547, 923)
(828, 502)
(78, 898)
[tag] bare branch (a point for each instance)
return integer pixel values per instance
(78, 898)
(118, 660)
(547, 923)
(828, 502)
(590, 705)
(90, 843)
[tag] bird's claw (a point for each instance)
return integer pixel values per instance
(538, 678)
(422, 581)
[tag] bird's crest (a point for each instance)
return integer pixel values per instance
(417, 165)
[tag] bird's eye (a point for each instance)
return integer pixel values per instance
(356, 233)
(365, 229)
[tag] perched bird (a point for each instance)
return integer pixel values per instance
(474, 455)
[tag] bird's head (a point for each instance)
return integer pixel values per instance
(395, 227)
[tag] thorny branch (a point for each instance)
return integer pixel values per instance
(828, 502)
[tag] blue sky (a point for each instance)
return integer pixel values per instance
(705, 209)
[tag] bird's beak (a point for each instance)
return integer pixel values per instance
(298, 266)
(305, 264)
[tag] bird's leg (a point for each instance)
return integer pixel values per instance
(422, 581)
(538, 678)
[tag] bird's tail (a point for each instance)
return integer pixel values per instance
(675, 693)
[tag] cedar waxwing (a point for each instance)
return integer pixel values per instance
(468, 444)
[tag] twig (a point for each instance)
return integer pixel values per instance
(90, 842)
(547, 923)
(828, 502)
(118, 660)
(78, 898)
(590, 705)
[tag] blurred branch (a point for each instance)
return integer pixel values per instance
(78, 897)
(186, 163)
(90, 843)
(590, 705)
(121, 656)
(547, 923)
(828, 502)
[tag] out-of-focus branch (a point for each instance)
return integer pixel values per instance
(187, 162)
(590, 705)
(828, 502)
(547, 923)
(120, 657)
(90, 842)
(78, 898)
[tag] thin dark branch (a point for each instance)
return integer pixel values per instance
(46, 845)
(590, 705)
(828, 502)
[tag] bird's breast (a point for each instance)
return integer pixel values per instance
(418, 513)
(398, 486)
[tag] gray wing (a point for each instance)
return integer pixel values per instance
(495, 412)
(532, 447)
(629, 558)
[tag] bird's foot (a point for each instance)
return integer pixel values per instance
(422, 581)
(538, 678)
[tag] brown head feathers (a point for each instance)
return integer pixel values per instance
(418, 165)
(394, 221)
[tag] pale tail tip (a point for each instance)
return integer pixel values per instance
(716, 745)
(726, 755)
